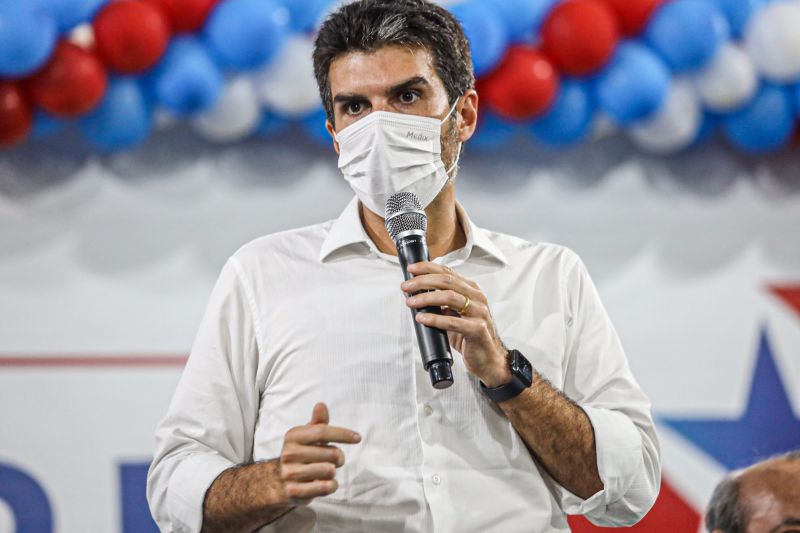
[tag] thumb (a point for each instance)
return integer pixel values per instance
(320, 414)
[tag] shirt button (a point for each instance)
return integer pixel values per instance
(437, 480)
(428, 410)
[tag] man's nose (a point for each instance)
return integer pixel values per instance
(381, 104)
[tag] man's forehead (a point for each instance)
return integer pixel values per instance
(775, 479)
(364, 72)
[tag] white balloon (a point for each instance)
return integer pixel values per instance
(773, 41)
(729, 81)
(164, 119)
(674, 126)
(83, 35)
(235, 116)
(288, 85)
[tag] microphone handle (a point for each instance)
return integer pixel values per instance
(433, 343)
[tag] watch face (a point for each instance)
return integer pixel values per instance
(522, 367)
(527, 370)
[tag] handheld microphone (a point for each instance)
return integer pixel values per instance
(407, 224)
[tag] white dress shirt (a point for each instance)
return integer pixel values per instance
(317, 314)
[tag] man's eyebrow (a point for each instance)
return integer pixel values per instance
(416, 81)
(791, 521)
(349, 97)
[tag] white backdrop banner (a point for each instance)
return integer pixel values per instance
(106, 264)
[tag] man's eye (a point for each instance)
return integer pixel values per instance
(354, 108)
(409, 97)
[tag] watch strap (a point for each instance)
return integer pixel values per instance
(521, 379)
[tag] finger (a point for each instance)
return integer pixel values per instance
(300, 453)
(426, 267)
(468, 327)
(440, 282)
(308, 472)
(449, 312)
(451, 300)
(320, 414)
(297, 492)
(322, 433)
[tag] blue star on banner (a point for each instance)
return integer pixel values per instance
(767, 427)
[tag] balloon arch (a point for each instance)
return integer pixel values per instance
(669, 73)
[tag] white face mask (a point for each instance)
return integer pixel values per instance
(386, 153)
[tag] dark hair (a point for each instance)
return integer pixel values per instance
(368, 25)
(725, 512)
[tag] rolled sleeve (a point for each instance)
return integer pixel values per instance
(188, 486)
(619, 459)
(599, 379)
(210, 422)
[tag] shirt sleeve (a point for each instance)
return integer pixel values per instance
(210, 422)
(598, 378)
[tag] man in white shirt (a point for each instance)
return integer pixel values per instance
(312, 327)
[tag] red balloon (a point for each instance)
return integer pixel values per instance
(16, 115)
(72, 83)
(186, 16)
(523, 86)
(131, 35)
(580, 36)
(633, 15)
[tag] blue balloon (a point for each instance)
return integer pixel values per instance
(687, 33)
(247, 34)
(486, 33)
(27, 37)
(493, 132)
(71, 13)
(45, 125)
(739, 13)
(765, 124)
(123, 119)
(570, 118)
(271, 124)
(523, 18)
(314, 125)
(797, 98)
(708, 128)
(306, 15)
(187, 81)
(635, 84)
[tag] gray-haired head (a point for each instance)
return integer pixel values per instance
(726, 511)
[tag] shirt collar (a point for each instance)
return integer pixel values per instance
(347, 231)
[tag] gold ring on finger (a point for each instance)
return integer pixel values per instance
(465, 306)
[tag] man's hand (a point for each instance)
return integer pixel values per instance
(308, 463)
(247, 497)
(472, 332)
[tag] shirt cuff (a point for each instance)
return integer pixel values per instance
(188, 486)
(619, 458)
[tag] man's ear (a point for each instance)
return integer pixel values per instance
(468, 115)
(332, 133)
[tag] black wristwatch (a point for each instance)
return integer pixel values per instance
(521, 379)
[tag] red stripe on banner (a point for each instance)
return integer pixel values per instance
(94, 361)
(789, 294)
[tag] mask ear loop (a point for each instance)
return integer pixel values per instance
(458, 152)
(455, 164)
(449, 113)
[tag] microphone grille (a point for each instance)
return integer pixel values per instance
(404, 213)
